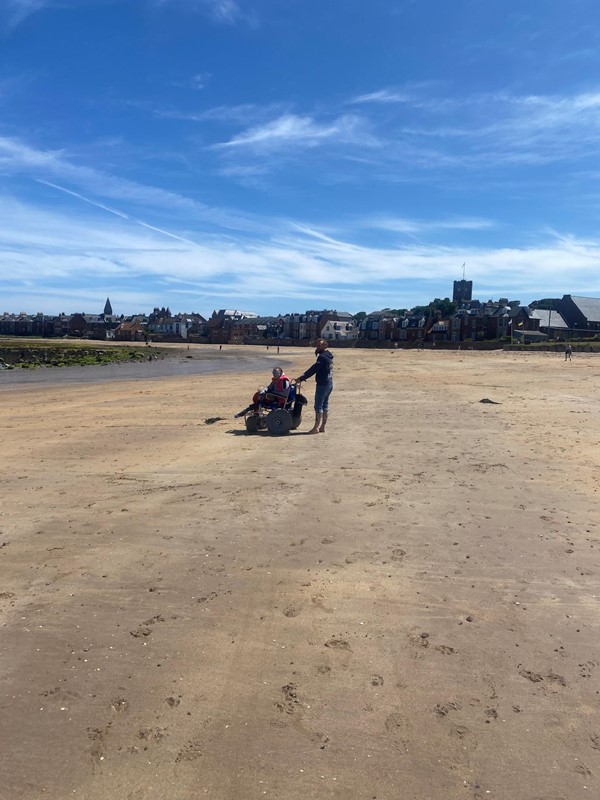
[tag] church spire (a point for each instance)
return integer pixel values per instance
(107, 308)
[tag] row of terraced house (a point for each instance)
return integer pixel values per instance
(471, 321)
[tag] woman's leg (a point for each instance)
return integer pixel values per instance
(319, 397)
(325, 409)
(318, 420)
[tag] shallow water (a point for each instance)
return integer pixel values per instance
(200, 364)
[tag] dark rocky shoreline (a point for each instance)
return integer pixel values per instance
(29, 356)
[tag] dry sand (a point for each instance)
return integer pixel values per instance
(404, 607)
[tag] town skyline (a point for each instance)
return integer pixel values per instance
(206, 314)
(462, 319)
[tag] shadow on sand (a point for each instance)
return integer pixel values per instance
(243, 432)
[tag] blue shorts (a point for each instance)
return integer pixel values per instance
(322, 397)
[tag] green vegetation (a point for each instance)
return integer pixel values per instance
(16, 353)
(398, 312)
(446, 307)
(548, 303)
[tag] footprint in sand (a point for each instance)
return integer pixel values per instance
(398, 729)
(139, 632)
(173, 702)
(395, 722)
(420, 641)
(443, 709)
(338, 644)
(319, 601)
(534, 677)
(460, 731)
(585, 670)
(292, 702)
(144, 628)
(152, 735)
(119, 704)
(190, 752)
(361, 555)
(206, 598)
(97, 738)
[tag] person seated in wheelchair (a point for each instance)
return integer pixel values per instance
(276, 395)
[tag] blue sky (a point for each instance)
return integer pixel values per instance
(279, 155)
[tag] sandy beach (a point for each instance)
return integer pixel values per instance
(407, 606)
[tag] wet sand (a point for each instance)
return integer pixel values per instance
(404, 607)
(197, 360)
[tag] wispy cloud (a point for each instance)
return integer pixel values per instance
(227, 11)
(292, 130)
(16, 157)
(417, 226)
(384, 96)
(533, 129)
(410, 92)
(245, 114)
(14, 12)
(409, 133)
(484, 130)
(200, 80)
(196, 82)
(41, 247)
(118, 213)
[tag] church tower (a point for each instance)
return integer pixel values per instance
(462, 292)
(107, 308)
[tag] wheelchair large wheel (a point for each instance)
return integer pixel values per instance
(279, 422)
(252, 424)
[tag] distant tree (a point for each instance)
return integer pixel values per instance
(360, 315)
(446, 307)
(548, 303)
(398, 312)
(420, 311)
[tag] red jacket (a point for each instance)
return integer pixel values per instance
(279, 387)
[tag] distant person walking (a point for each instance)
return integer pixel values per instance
(322, 369)
(568, 352)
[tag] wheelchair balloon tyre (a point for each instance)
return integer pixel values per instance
(252, 424)
(279, 422)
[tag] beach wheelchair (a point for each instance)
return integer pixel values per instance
(276, 413)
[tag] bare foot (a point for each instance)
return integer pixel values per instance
(321, 430)
(314, 430)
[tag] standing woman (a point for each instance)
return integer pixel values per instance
(322, 369)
